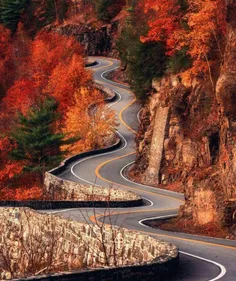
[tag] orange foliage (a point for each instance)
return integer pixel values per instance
(204, 21)
(164, 22)
(74, 77)
(8, 168)
(22, 193)
(48, 51)
(9, 172)
(53, 65)
(199, 28)
(20, 97)
(91, 123)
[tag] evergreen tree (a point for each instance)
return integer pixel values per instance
(53, 10)
(11, 11)
(37, 144)
(143, 61)
(108, 9)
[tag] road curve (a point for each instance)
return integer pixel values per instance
(201, 258)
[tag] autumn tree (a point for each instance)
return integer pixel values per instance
(48, 51)
(205, 34)
(164, 22)
(6, 60)
(8, 169)
(20, 97)
(74, 76)
(194, 28)
(90, 119)
(37, 144)
(101, 127)
(14, 185)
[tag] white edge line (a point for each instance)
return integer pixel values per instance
(98, 155)
(59, 211)
(106, 153)
(147, 186)
(114, 103)
(72, 168)
(150, 201)
(112, 82)
(141, 222)
(138, 116)
(222, 268)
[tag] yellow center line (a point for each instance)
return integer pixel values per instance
(95, 218)
(104, 66)
(121, 116)
(100, 166)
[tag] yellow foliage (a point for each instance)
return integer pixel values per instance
(90, 120)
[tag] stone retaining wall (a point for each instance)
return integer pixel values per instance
(59, 189)
(32, 242)
(110, 95)
(146, 272)
(57, 205)
(90, 62)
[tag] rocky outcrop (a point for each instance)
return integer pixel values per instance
(226, 96)
(198, 144)
(95, 40)
(156, 147)
(180, 150)
(34, 244)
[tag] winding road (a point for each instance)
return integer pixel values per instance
(201, 258)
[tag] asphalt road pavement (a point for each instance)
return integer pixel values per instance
(201, 258)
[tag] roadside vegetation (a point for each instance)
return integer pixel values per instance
(45, 93)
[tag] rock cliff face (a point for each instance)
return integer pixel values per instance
(96, 41)
(198, 143)
(226, 96)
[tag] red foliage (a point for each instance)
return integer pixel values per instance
(20, 97)
(6, 62)
(164, 21)
(8, 168)
(51, 64)
(199, 28)
(74, 77)
(21, 193)
(48, 51)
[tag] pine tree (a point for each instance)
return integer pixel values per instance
(143, 61)
(108, 9)
(11, 11)
(49, 11)
(37, 145)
